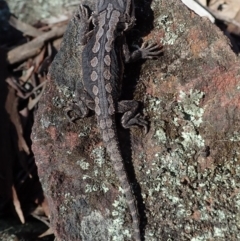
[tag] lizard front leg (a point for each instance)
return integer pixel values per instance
(130, 107)
(147, 51)
(84, 20)
(82, 102)
(130, 116)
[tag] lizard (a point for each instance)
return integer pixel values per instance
(104, 52)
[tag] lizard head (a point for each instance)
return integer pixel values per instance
(124, 7)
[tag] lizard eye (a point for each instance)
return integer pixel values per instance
(94, 19)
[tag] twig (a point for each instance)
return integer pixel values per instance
(33, 102)
(17, 205)
(33, 47)
(224, 19)
(48, 232)
(42, 219)
(25, 28)
(201, 10)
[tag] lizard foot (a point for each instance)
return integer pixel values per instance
(136, 120)
(149, 51)
(76, 111)
(82, 14)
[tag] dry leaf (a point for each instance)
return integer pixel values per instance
(17, 205)
(227, 8)
(48, 232)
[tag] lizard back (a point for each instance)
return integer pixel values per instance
(102, 75)
(102, 58)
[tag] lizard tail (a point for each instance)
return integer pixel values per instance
(111, 142)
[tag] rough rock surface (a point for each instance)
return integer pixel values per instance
(185, 171)
(39, 10)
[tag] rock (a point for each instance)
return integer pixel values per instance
(185, 171)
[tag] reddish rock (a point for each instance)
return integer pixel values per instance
(189, 156)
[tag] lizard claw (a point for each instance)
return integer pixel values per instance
(67, 112)
(142, 122)
(150, 51)
(82, 14)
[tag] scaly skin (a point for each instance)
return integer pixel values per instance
(104, 54)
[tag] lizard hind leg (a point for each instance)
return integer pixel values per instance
(80, 107)
(131, 117)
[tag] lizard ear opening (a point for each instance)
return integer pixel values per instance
(94, 19)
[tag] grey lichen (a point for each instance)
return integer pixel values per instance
(66, 91)
(113, 223)
(160, 135)
(235, 137)
(165, 22)
(191, 137)
(117, 229)
(189, 105)
(46, 122)
(66, 94)
(97, 227)
(94, 227)
(178, 167)
(98, 154)
(68, 200)
(189, 115)
(101, 168)
(84, 165)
